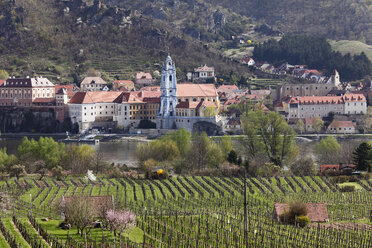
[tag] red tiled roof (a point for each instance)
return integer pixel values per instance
(204, 68)
(317, 212)
(336, 167)
(95, 97)
(69, 89)
(196, 90)
(336, 124)
(227, 88)
(327, 99)
(96, 80)
(123, 82)
(2, 81)
(308, 121)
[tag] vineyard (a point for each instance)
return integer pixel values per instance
(191, 211)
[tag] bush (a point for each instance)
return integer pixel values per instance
(348, 188)
(295, 209)
(303, 221)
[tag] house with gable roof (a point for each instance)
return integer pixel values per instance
(93, 84)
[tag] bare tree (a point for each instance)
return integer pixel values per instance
(79, 212)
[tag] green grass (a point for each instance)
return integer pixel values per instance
(8, 223)
(356, 185)
(352, 47)
(32, 231)
(135, 234)
(3, 242)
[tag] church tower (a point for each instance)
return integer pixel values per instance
(168, 99)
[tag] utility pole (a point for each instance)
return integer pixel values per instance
(245, 207)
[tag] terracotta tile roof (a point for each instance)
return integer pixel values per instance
(336, 124)
(227, 88)
(196, 90)
(204, 68)
(69, 89)
(123, 82)
(327, 99)
(317, 212)
(95, 80)
(143, 75)
(95, 97)
(2, 81)
(336, 167)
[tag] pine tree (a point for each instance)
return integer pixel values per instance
(362, 156)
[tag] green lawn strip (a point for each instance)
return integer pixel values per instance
(315, 186)
(274, 184)
(299, 179)
(196, 193)
(298, 188)
(206, 185)
(148, 192)
(38, 200)
(69, 190)
(139, 192)
(32, 230)
(8, 223)
(33, 191)
(95, 191)
(216, 185)
(157, 191)
(285, 185)
(50, 196)
(259, 183)
(321, 182)
(180, 186)
(79, 191)
(135, 234)
(3, 242)
(165, 189)
(206, 193)
(355, 184)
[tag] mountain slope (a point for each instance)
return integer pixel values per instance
(334, 19)
(62, 39)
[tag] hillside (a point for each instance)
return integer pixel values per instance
(63, 39)
(334, 19)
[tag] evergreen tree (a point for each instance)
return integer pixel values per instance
(362, 156)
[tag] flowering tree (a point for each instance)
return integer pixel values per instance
(120, 220)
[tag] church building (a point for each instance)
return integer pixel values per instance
(184, 105)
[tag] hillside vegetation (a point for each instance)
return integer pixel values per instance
(63, 39)
(335, 19)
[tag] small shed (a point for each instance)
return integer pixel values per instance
(317, 212)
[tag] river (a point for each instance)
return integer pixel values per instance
(124, 152)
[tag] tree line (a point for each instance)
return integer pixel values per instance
(49, 157)
(315, 52)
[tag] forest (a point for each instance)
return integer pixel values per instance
(315, 52)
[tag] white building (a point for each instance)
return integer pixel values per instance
(321, 106)
(341, 127)
(201, 74)
(93, 84)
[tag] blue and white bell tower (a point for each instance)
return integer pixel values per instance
(168, 99)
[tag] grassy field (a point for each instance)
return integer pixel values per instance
(352, 47)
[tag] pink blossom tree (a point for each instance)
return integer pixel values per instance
(120, 220)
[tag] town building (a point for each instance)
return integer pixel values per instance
(26, 92)
(201, 74)
(144, 78)
(93, 84)
(183, 105)
(341, 127)
(123, 85)
(248, 61)
(322, 106)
